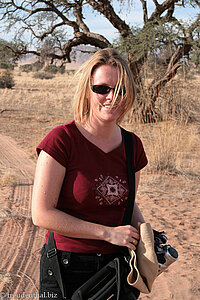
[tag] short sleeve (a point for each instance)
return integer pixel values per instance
(140, 158)
(57, 144)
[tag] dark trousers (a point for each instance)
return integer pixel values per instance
(76, 269)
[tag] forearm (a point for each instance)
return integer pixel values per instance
(67, 225)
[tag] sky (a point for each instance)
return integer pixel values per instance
(103, 26)
(99, 24)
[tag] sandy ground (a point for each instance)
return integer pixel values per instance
(169, 203)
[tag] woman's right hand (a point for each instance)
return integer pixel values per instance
(127, 236)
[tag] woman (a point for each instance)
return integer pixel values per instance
(81, 183)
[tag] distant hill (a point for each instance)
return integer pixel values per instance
(78, 56)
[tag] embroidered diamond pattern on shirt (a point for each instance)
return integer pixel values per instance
(111, 190)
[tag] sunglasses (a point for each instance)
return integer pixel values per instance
(105, 89)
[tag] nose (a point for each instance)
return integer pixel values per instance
(110, 94)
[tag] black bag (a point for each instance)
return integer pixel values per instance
(101, 286)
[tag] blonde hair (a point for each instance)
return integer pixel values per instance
(107, 56)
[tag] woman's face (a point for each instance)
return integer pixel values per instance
(100, 104)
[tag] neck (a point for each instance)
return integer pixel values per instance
(101, 130)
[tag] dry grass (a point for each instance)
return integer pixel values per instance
(7, 214)
(8, 177)
(171, 147)
(5, 277)
(33, 107)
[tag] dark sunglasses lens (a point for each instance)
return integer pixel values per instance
(100, 89)
(104, 89)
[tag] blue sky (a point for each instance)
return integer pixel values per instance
(99, 24)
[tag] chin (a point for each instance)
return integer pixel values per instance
(110, 118)
(111, 115)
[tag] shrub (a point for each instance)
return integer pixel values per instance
(70, 72)
(6, 79)
(52, 69)
(6, 65)
(62, 70)
(43, 75)
(37, 66)
(26, 68)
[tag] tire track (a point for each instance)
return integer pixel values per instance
(20, 240)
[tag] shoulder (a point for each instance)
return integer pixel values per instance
(63, 130)
(57, 142)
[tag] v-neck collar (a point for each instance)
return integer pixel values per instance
(95, 146)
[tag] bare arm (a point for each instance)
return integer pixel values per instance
(47, 185)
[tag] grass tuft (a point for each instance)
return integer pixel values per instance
(9, 178)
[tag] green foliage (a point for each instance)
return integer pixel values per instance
(6, 79)
(155, 50)
(151, 39)
(195, 58)
(43, 75)
(70, 72)
(6, 55)
(6, 65)
(52, 69)
(26, 68)
(37, 66)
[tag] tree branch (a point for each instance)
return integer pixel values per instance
(45, 34)
(191, 28)
(156, 3)
(83, 39)
(31, 12)
(105, 8)
(161, 8)
(172, 68)
(145, 13)
(169, 14)
(77, 11)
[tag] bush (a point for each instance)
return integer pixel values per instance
(71, 72)
(52, 69)
(37, 66)
(26, 68)
(6, 79)
(43, 75)
(6, 65)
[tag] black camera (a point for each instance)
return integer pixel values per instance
(166, 254)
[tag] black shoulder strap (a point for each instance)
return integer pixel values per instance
(53, 261)
(131, 176)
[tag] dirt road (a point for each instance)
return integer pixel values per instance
(20, 241)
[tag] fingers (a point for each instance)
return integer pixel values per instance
(132, 238)
(126, 236)
(134, 234)
(132, 244)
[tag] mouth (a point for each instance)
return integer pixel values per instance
(108, 106)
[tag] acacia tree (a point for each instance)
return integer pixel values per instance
(6, 55)
(47, 19)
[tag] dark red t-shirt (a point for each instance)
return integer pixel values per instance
(95, 186)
